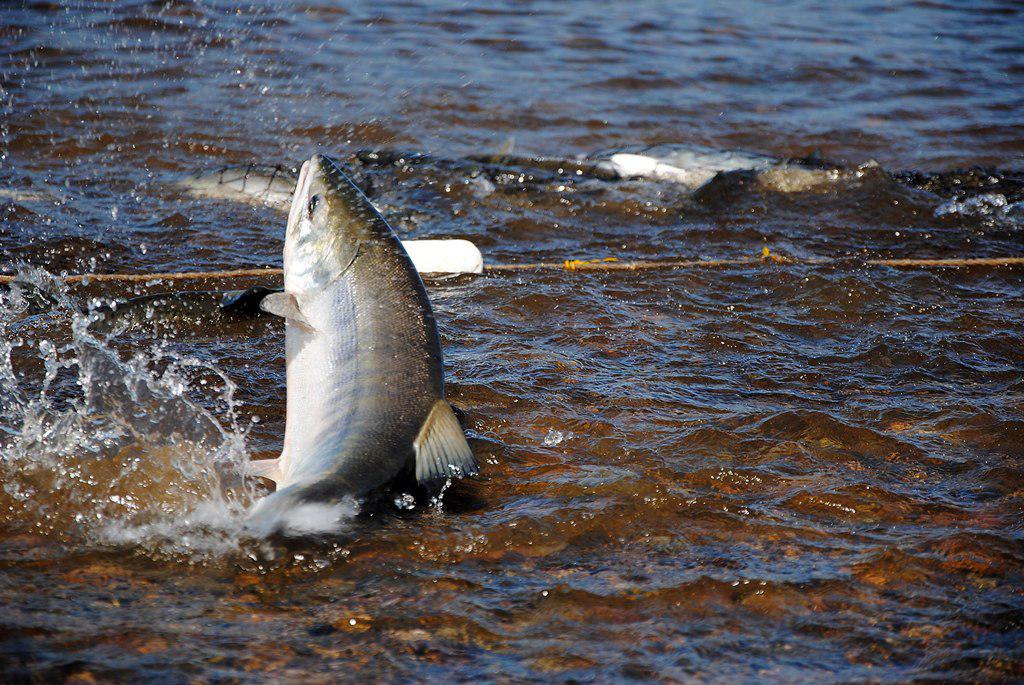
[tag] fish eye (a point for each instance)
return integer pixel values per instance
(312, 205)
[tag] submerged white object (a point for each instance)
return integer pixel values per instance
(444, 256)
(643, 166)
(689, 166)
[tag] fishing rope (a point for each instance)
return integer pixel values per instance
(606, 264)
(613, 264)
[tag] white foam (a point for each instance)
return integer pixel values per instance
(278, 513)
(993, 205)
(314, 518)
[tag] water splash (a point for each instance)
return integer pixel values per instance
(555, 437)
(993, 206)
(100, 450)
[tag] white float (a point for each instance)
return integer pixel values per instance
(444, 256)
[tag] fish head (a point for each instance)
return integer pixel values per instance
(329, 218)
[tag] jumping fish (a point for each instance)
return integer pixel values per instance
(364, 370)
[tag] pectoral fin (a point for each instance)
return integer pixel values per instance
(246, 301)
(284, 304)
(441, 447)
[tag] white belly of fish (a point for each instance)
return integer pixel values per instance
(322, 372)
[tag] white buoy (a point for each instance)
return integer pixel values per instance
(444, 256)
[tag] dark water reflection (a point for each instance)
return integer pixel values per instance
(779, 473)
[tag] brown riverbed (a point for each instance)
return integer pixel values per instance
(766, 472)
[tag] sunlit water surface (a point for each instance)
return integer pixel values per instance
(764, 472)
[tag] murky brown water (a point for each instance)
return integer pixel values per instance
(757, 473)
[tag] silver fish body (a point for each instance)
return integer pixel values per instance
(364, 363)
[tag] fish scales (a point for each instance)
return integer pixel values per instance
(378, 388)
(364, 363)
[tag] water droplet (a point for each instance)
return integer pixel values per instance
(555, 437)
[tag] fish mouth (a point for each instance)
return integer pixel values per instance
(299, 197)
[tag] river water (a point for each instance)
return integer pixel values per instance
(763, 472)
